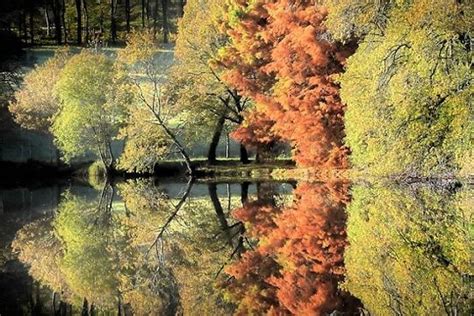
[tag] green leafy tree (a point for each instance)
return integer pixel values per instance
(93, 94)
(145, 143)
(206, 101)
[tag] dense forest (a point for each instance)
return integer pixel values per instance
(381, 87)
(83, 21)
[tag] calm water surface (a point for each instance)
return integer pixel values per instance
(143, 247)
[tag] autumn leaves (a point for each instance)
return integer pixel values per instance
(382, 88)
(405, 87)
(279, 55)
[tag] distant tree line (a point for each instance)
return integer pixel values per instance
(85, 21)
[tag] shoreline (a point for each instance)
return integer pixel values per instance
(222, 171)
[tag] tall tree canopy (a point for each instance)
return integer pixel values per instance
(92, 95)
(281, 56)
(412, 76)
(88, 21)
(205, 99)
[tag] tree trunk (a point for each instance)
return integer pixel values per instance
(178, 206)
(111, 154)
(20, 17)
(101, 23)
(226, 229)
(177, 143)
(32, 24)
(25, 29)
(164, 7)
(227, 145)
(92, 310)
(155, 19)
(79, 21)
(127, 14)
(266, 193)
(229, 196)
(147, 6)
(48, 25)
(53, 303)
(244, 192)
(85, 308)
(86, 18)
(113, 22)
(184, 154)
(143, 13)
(211, 155)
(244, 156)
(265, 153)
(63, 19)
(105, 153)
(119, 307)
(212, 188)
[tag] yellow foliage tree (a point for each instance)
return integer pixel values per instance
(35, 104)
(408, 87)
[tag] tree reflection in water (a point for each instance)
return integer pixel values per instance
(145, 253)
(410, 249)
(139, 250)
(297, 259)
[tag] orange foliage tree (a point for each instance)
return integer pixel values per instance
(297, 263)
(256, 132)
(281, 55)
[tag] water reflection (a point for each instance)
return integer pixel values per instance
(221, 249)
(410, 250)
(296, 261)
(137, 248)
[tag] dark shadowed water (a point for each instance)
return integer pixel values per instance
(145, 247)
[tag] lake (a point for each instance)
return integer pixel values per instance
(172, 247)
